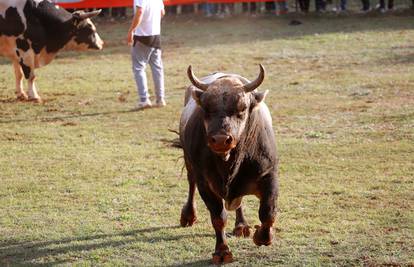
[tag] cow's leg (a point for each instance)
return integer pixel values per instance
(18, 73)
(32, 90)
(267, 210)
(27, 63)
(218, 216)
(188, 213)
(241, 228)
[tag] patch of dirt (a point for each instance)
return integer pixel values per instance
(70, 123)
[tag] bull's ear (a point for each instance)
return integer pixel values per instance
(197, 93)
(259, 96)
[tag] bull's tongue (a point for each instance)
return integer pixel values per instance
(224, 156)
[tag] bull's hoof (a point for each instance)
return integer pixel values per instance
(22, 97)
(241, 230)
(222, 257)
(263, 236)
(36, 100)
(188, 216)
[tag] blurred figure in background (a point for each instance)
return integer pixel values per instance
(320, 5)
(187, 9)
(118, 12)
(249, 7)
(282, 7)
(342, 5)
(208, 9)
(171, 10)
(224, 9)
(382, 7)
(270, 6)
(304, 5)
(104, 13)
(366, 6)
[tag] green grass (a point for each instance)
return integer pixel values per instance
(85, 182)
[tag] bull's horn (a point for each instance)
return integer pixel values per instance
(195, 81)
(86, 15)
(256, 83)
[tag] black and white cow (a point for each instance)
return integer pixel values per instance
(32, 32)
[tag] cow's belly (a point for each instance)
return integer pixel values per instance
(43, 58)
(8, 47)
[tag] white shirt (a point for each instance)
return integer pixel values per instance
(151, 17)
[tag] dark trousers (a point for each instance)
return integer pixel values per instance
(320, 5)
(304, 5)
(252, 7)
(270, 6)
(390, 4)
(365, 5)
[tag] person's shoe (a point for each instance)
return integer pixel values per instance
(160, 103)
(143, 105)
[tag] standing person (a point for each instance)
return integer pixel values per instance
(366, 6)
(304, 5)
(270, 6)
(320, 5)
(252, 5)
(382, 5)
(145, 37)
(282, 7)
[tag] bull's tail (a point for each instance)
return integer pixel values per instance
(174, 142)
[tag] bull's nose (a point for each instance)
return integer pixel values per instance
(220, 142)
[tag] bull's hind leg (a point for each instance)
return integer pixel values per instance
(241, 228)
(18, 73)
(267, 211)
(218, 216)
(188, 213)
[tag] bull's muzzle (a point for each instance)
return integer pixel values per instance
(221, 143)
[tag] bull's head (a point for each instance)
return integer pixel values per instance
(227, 104)
(86, 36)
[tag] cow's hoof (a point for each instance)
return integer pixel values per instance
(241, 230)
(263, 236)
(22, 97)
(188, 216)
(36, 100)
(222, 257)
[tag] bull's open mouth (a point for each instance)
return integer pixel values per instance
(224, 154)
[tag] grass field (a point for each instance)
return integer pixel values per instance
(84, 181)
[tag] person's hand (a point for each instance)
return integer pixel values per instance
(130, 38)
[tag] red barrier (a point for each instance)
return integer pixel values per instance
(128, 3)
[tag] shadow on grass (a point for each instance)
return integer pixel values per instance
(25, 252)
(191, 264)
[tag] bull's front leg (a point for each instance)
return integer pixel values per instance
(267, 211)
(18, 73)
(241, 228)
(218, 216)
(188, 213)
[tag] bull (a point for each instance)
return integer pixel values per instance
(32, 32)
(229, 151)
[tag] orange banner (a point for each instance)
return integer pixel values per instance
(128, 3)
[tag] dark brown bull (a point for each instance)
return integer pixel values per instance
(229, 150)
